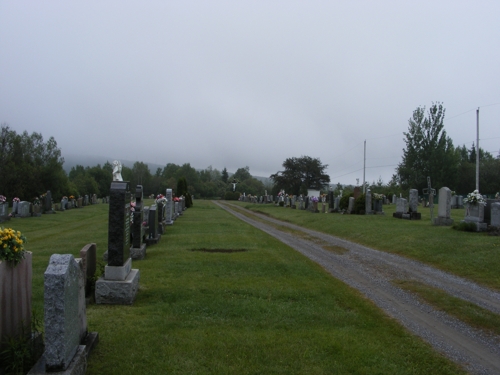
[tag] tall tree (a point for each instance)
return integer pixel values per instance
(301, 174)
(224, 175)
(428, 152)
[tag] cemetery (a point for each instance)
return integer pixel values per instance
(74, 316)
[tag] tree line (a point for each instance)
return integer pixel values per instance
(29, 166)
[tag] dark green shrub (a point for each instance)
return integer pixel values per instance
(465, 227)
(359, 205)
(344, 201)
(231, 195)
(282, 204)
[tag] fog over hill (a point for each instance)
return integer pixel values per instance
(72, 160)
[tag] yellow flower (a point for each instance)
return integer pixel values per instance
(4, 245)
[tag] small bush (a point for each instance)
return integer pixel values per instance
(231, 196)
(344, 202)
(282, 204)
(465, 227)
(359, 205)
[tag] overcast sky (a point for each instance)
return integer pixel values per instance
(249, 83)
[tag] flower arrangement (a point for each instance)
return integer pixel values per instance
(11, 245)
(378, 196)
(71, 197)
(16, 199)
(314, 199)
(176, 199)
(64, 197)
(36, 201)
(3, 199)
(475, 198)
(160, 198)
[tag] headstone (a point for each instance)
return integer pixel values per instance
(350, 207)
(368, 202)
(24, 209)
(4, 212)
(62, 325)
(47, 203)
(14, 207)
(153, 235)
(15, 298)
(454, 201)
(460, 201)
(145, 216)
(393, 198)
(176, 209)
(444, 208)
(138, 249)
(169, 208)
(80, 202)
(88, 254)
(86, 200)
(160, 211)
(336, 204)
(64, 201)
(401, 205)
(495, 215)
(431, 192)
(413, 200)
(120, 282)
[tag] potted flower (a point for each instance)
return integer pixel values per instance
(475, 203)
(314, 201)
(11, 246)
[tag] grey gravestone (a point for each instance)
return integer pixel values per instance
(23, 209)
(14, 208)
(495, 215)
(474, 213)
(160, 210)
(368, 202)
(413, 200)
(336, 204)
(454, 201)
(393, 198)
(86, 200)
(4, 212)
(169, 208)
(401, 205)
(145, 216)
(176, 210)
(350, 207)
(460, 201)
(431, 192)
(62, 326)
(444, 208)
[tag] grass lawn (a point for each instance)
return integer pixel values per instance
(475, 256)
(265, 310)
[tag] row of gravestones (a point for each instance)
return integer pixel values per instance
(481, 215)
(24, 209)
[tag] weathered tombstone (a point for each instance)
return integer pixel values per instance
(80, 202)
(88, 254)
(62, 324)
(336, 204)
(350, 207)
(393, 198)
(176, 209)
(475, 213)
(138, 249)
(495, 214)
(15, 298)
(64, 202)
(86, 200)
(460, 201)
(4, 212)
(413, 209)
(24, 209)
(368, 202)
(153, 235)
(444, 208)
(169, 208)
(401, 209)
(120, 282)
(454, 201)
(47, 203)
(14, 207)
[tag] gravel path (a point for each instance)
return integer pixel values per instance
(371, 271)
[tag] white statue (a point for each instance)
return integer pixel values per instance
(117, 171)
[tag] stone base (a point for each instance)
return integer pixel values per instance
(37, 215)
(90, 342)
(480, 227)
(378, 212)
(171, 222)
(138, 253)
(118, 273)
(77, 366)
(49, 212)
(409, 216)
(113, 292)
(153, 241)
(442, 221)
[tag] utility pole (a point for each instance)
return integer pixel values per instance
(477, 149)
(364, 168)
